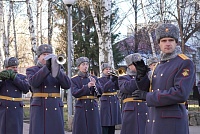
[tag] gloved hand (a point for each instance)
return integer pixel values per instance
(113, 78)
(141, 68)
(4, 75)
(139, 95)
(12, 74)
(7, 74)
(48, 64)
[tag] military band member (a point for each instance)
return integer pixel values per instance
(46, 108)
(172, 82)
(12, 85)
(134, 112)
(151, 62)
(110, 112)
(85, 89)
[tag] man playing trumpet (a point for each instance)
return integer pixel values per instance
(109, 109)
(46, 107)
(85, 89)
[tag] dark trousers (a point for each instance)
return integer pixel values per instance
(108, 129)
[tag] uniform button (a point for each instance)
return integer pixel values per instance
(45, 97)
(154, 76)
(161, 74)
(55, 97)
(85, 110)
(15, 107)
(110, 101)
(55, 108)
(15, 90)
(91, 100)
(109, 96)
(138, 113)
(7, 90)
(152, 90)
(46, 108)
(85, 101)
(55, 86)
(7, 107)
(148, 120)
(45, 86)
(168, 61)
(153, 120)
(115, 102)
(146, 103)
(138, 104)
(92, 109)
(146, 113)
(158, 89)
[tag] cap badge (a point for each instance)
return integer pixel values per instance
(166, 30)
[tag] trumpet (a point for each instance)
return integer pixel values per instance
(61, 59)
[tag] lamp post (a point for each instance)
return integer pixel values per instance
(69, 3)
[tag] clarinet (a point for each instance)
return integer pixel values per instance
(96, 92)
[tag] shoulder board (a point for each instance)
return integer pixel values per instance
(74, 76)
(183, 56)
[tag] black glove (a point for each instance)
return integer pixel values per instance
(139, 95)
(48, 64)
(141, 68)
(113, 78)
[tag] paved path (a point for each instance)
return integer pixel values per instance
(193, 130)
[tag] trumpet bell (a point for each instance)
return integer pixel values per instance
(61, 59)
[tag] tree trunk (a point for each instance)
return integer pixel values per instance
(1, 33)
(106, 32)
(149, 32)
(50, 21)
(31, 29)
(14, 32)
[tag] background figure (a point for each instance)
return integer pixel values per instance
(12, 85)
(110, 113)
(46, 106)
(85, 89)
(152, 62)
(134, 112)
(172, 82)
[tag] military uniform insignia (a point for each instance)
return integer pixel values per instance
(185, 72)
(166, 30)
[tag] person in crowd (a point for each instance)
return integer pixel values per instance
(171, 84)
(85, 88)
(12, 85)
(46, 106)
(134, 112)
(151, 62)
(110, 112)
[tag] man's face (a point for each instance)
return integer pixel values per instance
(152, 66)
(132, 68)
(14, 68)
(107, 70)
(41, 58)
(83, 67)
(167, 45)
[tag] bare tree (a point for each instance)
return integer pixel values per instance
(1, 32)
(31, 28)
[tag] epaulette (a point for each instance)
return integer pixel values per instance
(74, 76)
(183, 56)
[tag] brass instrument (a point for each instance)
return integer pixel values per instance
(61, 59)
(118, 72)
